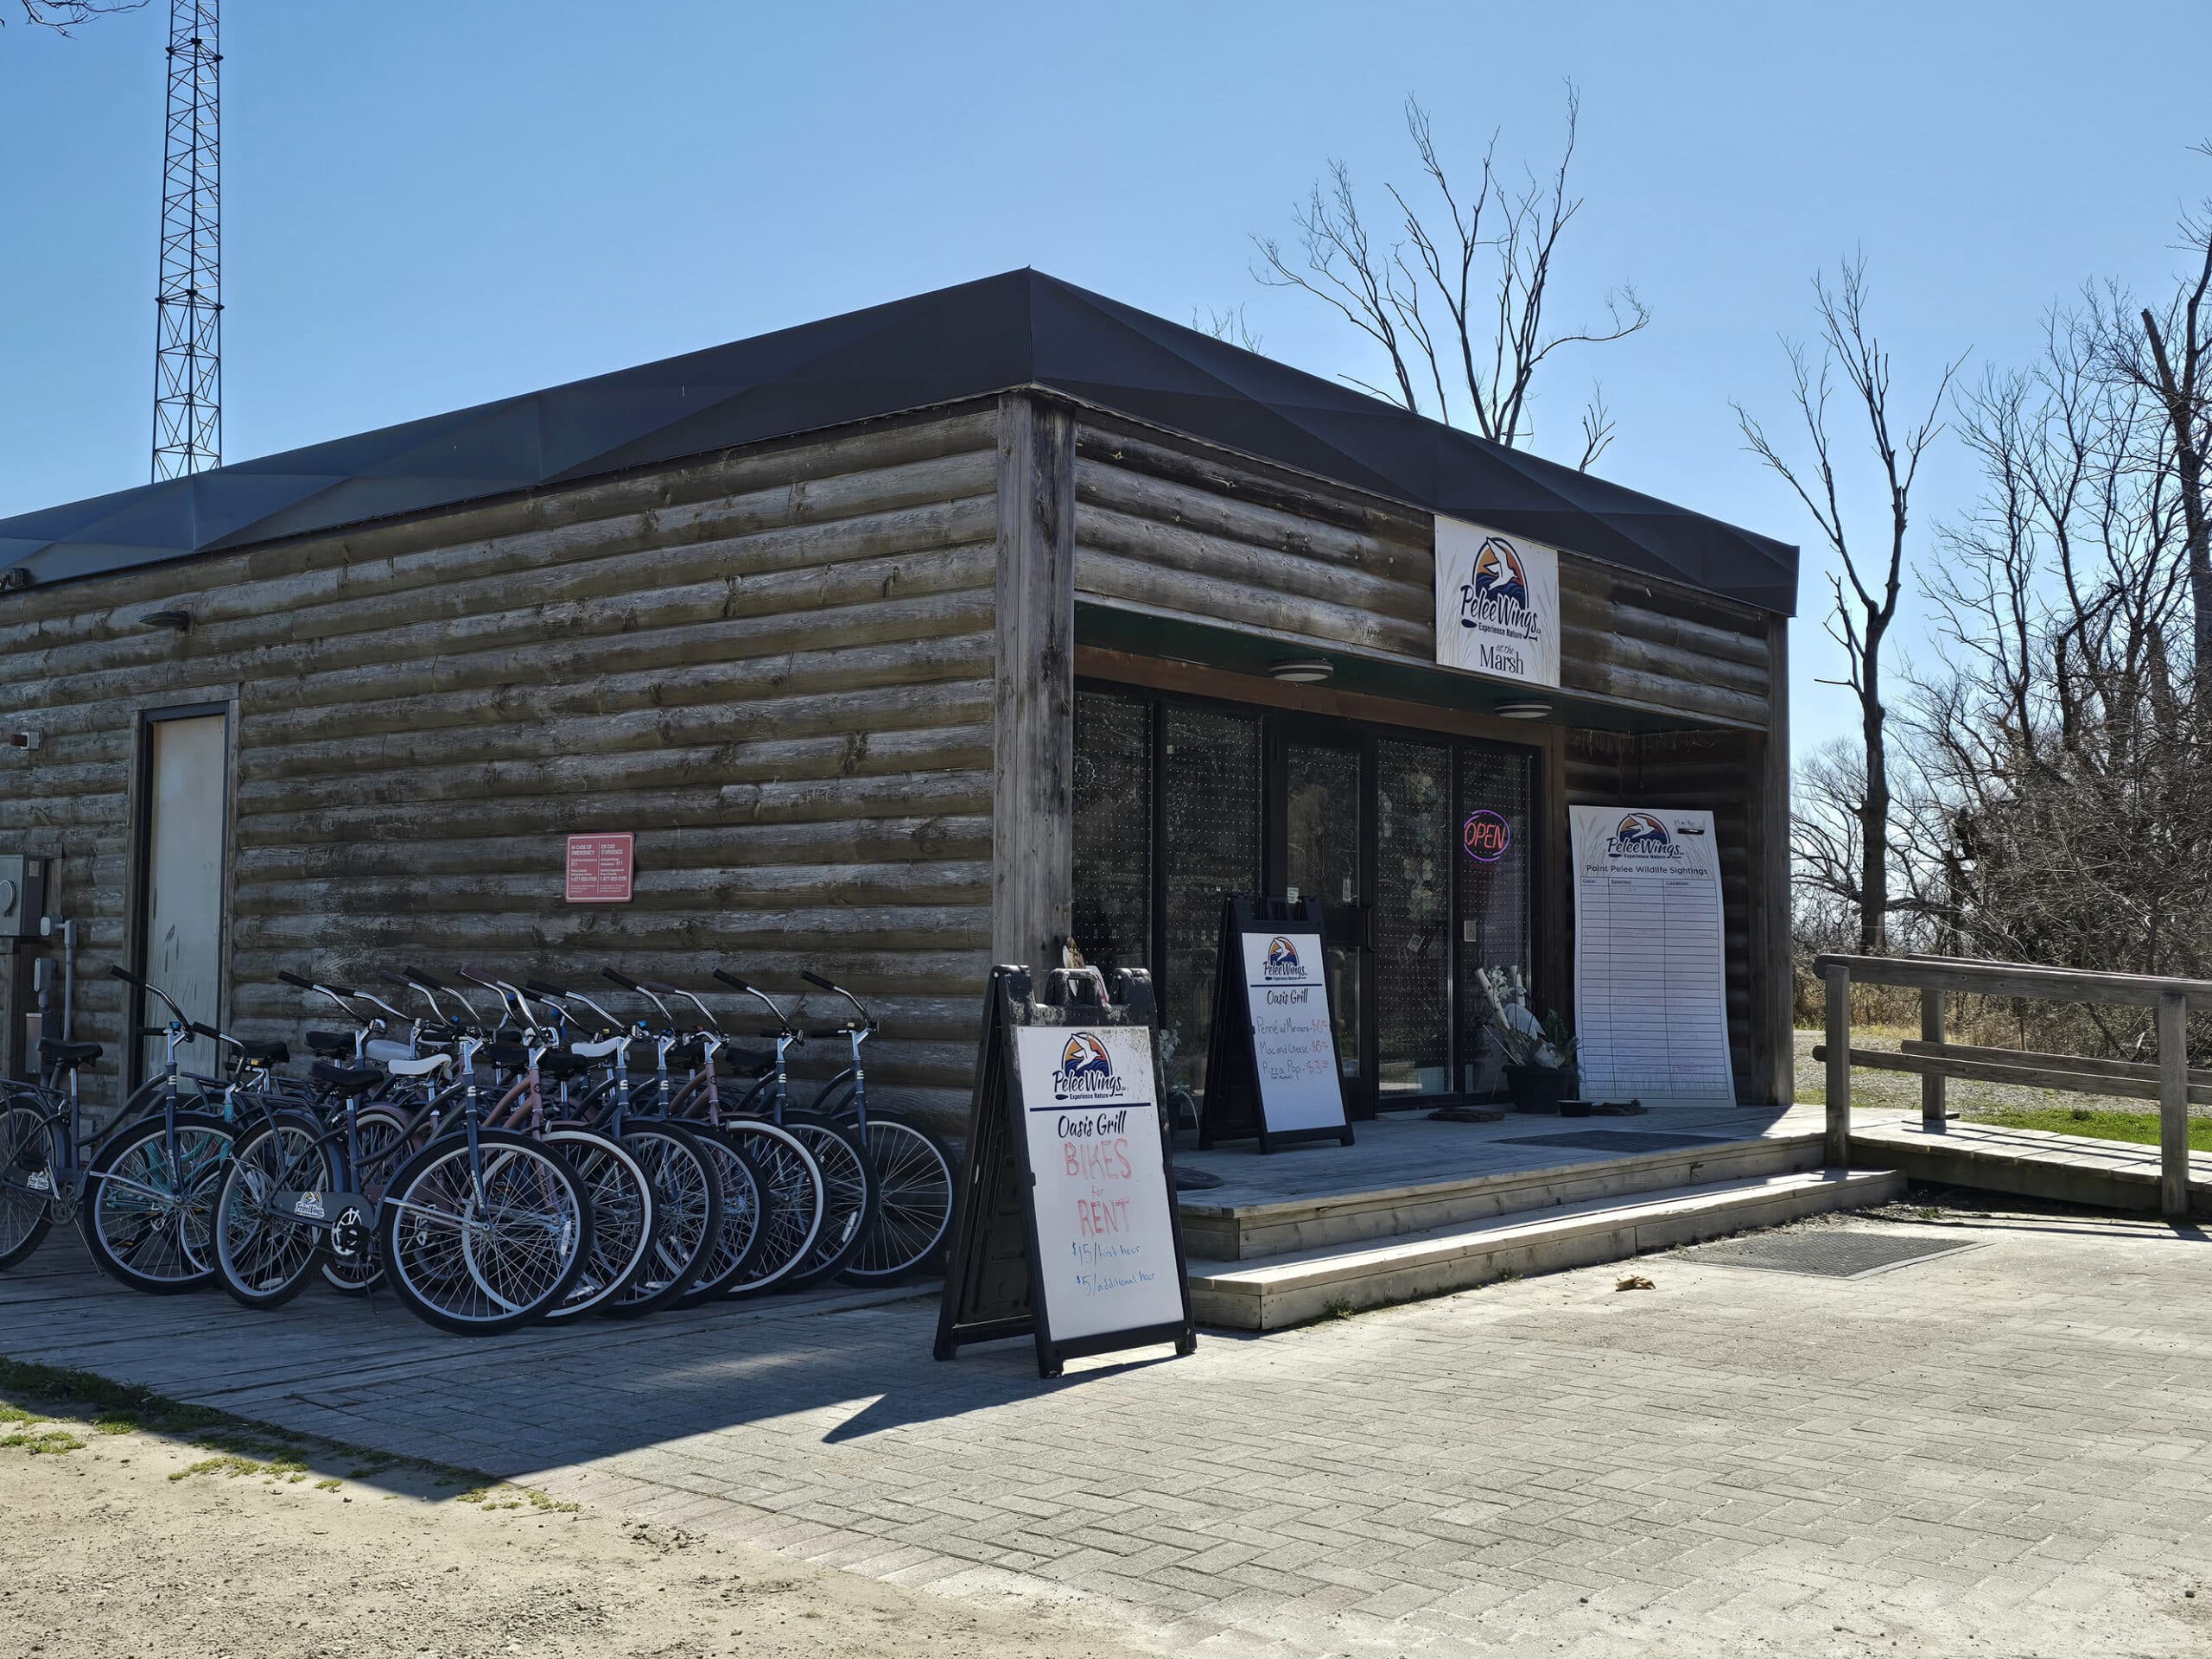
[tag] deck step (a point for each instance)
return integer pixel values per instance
(1265, 1229)
(1272, 1292)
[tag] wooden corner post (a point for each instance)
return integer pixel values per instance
(1934, 1103)
(1838, 1146)
(2173, 1105)
(1033, 840)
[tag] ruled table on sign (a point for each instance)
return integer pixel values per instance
(1651, 980)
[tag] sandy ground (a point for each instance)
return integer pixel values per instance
(126, 1545)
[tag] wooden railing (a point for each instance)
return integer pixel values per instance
(2170, 1081)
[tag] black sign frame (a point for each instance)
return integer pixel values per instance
(994, 1274)
(1236, 1105)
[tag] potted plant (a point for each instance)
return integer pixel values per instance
(1539, 1069)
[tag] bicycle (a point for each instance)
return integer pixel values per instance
(914, 1179)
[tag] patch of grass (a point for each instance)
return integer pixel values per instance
(29, 1392)
(1337, 1307)
(504, 1497)
(2098, 1124)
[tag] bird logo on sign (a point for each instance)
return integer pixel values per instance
(1498, 576)
(1085, 1055)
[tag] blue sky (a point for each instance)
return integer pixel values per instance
(432, 202)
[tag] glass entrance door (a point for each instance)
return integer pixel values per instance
(1322, 783)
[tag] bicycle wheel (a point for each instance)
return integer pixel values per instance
(849, 1197)
(149, 1202)
(740, 1237)
(913, 1210)
(687, 1219)
(351, 1266)
(481, 1245)
(26, 1181)
(622, 1218)
(792, 1201)
(264, 1256)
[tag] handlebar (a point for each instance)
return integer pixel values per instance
(415, 976)
(539, 988)
(299, 984)
(816, 980)
(616, 977)
(735, 982)
(127, 977)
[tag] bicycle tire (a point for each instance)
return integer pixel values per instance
(622, 1219)
(849, 1197)
(916, 1185)
(688, 1201)
(26, 1181)
(114, 1193)
(739, 1240)
(263, 1260)
(431, 1233)
(791, 1189)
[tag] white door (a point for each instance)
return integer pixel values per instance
(187, 786)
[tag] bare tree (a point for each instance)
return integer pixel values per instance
(1865, 595)
(62, 15)
(1227, 323)
(2171, 358)
(1455, 297)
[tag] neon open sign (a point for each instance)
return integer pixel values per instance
(1485, 836)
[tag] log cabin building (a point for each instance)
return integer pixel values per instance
(902, 643)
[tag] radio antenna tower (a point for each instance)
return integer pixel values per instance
(189, 327)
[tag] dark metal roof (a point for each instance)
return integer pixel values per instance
(1021, 329)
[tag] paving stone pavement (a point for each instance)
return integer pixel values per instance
(2003, 1451)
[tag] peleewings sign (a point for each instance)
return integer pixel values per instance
(1497, 603)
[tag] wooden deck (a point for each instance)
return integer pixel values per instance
(2028, 1163)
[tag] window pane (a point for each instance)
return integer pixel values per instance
(1209, 789)
(1496, 787)
(1113, 831)
(1414, 845)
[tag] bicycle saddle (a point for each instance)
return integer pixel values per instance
(689, 1053)
(560, 1067)
(272, 1053)
(347, 1079)
(331, 1044)
(513, 1056)
(598, 1050)
(418, 1068)
(750, 1059)
(51, 1052)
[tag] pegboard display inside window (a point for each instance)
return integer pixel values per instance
(1112, 919)
(1210, 787)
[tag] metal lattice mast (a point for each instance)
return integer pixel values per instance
(189, 330)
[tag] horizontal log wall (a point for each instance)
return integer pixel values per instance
(1178, 531)
(775, 669)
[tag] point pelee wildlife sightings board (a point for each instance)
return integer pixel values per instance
(1272, 1068)
(1066, 1228)
(1650, 978)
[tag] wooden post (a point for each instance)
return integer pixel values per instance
(1774, 1029)
(2173, 1105)
(1931, 1083)
(1033, 833)
(1838, 1044)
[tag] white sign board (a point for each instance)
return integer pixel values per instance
(1292, 1045)
(1650, 978)
(1497, 603)
(1105, 1235)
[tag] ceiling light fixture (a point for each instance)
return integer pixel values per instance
(1530, 710)
(1303, 671)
